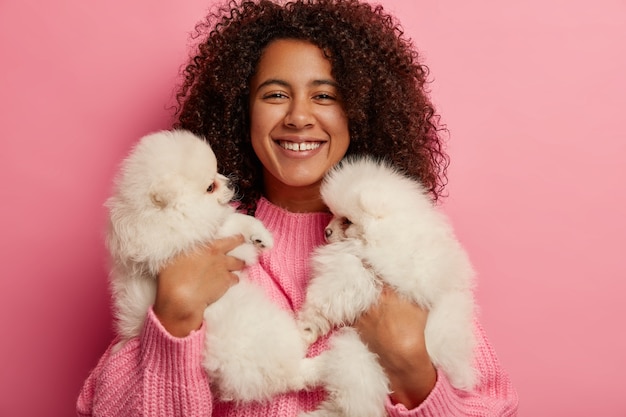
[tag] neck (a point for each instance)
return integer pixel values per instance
(304, 199)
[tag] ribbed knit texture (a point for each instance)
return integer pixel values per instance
(157, 374)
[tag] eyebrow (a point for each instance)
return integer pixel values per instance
(284, 83)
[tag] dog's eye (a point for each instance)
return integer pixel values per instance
(211, 188)
(345, 223)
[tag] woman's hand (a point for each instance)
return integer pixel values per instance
(191, 282)
(394, 330)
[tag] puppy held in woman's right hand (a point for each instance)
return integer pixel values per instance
(169, 199)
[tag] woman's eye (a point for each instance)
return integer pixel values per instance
(275, 95)
(324, 97)
(211, 188)
(346, 222)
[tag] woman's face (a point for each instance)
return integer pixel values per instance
(298, 125)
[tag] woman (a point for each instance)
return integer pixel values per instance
(283, 93)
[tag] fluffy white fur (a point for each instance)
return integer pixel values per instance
(386, 229)
(169, 198)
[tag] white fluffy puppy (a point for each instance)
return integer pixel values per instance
(169, 199)
(385, 229)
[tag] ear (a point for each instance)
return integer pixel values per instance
(165, 190)
(372, 204)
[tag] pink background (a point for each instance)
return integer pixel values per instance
(534, 94)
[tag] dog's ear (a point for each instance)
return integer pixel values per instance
(165, 190)
(372, 204)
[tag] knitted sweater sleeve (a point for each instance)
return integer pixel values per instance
(154, 374)
(494, 396)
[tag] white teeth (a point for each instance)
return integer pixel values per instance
(306, 146)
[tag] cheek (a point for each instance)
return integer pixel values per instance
(335, 119)
(337, 126)
(257, 127)
(258, 135)
(257, 119)
(263, 120)
(264, 117)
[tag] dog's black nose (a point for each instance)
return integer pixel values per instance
(328, 232)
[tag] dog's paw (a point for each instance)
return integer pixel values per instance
(308, 332)
(251, 228)
(246, 252)
(309, 336)
(256, 234)
(262, 239)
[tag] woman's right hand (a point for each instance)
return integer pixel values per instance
(192, 281)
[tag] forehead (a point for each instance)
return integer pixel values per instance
(292, 61)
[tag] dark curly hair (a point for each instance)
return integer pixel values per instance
(378, 72)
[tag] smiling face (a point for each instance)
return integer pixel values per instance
(299, 129)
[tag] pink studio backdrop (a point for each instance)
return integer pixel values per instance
(533, 94)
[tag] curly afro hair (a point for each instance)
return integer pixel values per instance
(378, 71)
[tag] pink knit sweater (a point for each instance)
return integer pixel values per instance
(157, 374)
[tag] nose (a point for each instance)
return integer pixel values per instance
(222, 180)
(328, 232)
(300, 114)
(224, 189)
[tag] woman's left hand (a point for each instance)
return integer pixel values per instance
(394, 330)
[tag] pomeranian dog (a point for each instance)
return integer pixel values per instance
(169, 199)
(385, 230)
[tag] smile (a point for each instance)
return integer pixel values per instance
(299, 147)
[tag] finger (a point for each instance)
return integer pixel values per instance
(234, 264)
(234, 279)
(227, 244)
(387, 292)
